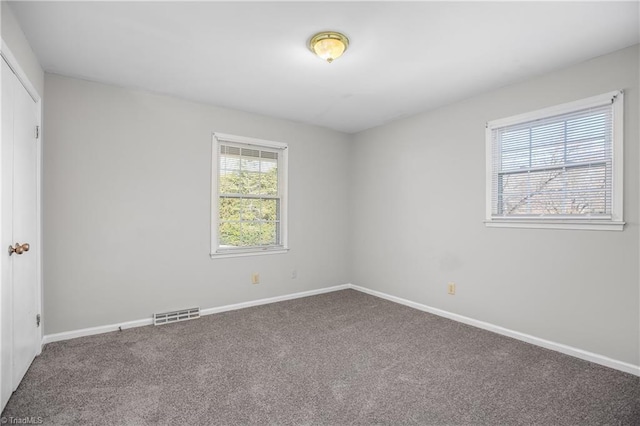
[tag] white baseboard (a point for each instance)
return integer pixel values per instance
(66, 335)
(236, 306)
(559, 347)
(49, 338)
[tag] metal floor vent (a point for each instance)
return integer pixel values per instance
(175, 316)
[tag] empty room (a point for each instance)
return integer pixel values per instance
(320, 213)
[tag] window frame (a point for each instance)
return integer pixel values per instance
(615, 221)
(219, 139)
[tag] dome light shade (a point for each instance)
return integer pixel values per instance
(329, 45)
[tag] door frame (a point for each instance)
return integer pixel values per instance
(6, 373)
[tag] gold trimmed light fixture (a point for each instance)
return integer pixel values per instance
(329, 45)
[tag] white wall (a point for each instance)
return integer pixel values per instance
(417, 211)
(127, 207)
(126, 213)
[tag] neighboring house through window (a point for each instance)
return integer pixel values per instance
(560, 167)
(249, 200)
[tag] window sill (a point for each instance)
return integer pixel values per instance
(590, 225)
(241, 253)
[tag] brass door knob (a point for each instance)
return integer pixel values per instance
(19, 248)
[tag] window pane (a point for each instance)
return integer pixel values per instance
(228, 163)
(269, 210)
(586, 151)
(587, 127)
(515, 160)
(269, 181)
(249, 208)
(248, 171)
(240, 234)
(246, 175)
(248, 222)
(266, 165)
(230, 234)
(230, 209)
(268, 236)
(251, 233)
(250, 164)
(251, 183)
(575, 191)
(230, 183)
(547, 155)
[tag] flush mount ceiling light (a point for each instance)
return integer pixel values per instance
(329, 45)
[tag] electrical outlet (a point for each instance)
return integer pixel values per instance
(255, 278)
(451, 288)
(294, 274)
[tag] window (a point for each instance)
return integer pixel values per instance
(560, 167)
(249, 201)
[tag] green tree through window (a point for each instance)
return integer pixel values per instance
(249, 202)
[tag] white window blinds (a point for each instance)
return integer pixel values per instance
(555, 166)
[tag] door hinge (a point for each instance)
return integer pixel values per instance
(38, 320)
(37, 132)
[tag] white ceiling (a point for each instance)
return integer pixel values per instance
(404, 57)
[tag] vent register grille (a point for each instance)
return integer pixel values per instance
(176, 316)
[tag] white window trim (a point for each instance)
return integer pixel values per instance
(221, 138)
(615, 222)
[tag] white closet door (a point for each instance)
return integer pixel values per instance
(21, 115)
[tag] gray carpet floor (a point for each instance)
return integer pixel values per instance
(333, 359)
